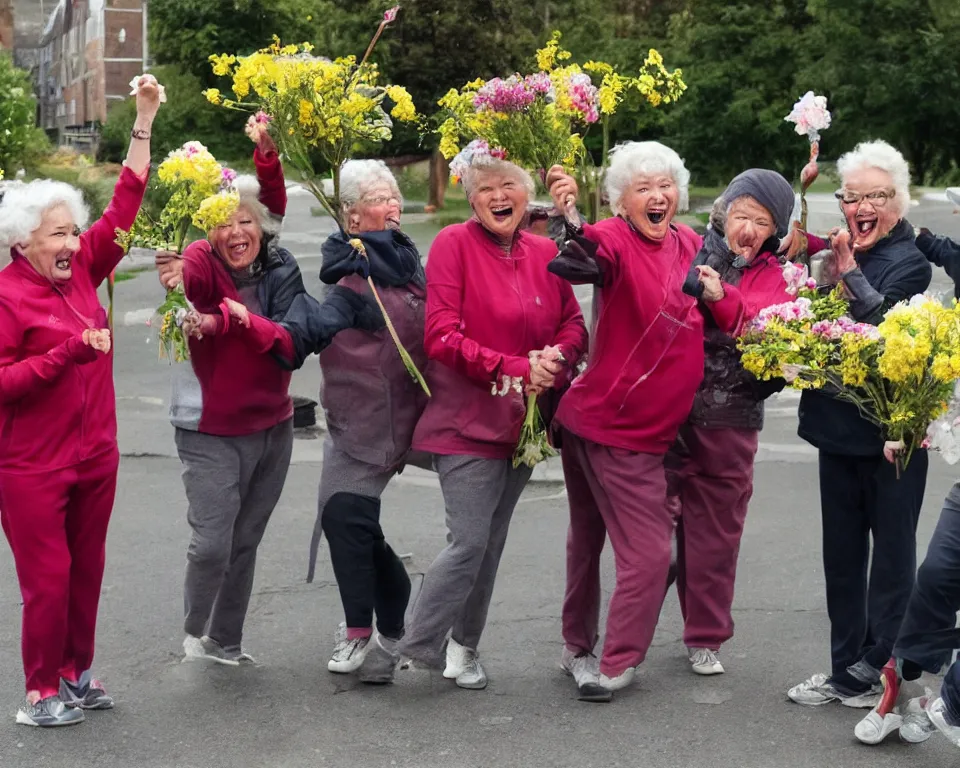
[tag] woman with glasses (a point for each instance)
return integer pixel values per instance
(372, 405)
(879, 264)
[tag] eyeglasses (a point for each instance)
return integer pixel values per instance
(381, 200)
(877, 199)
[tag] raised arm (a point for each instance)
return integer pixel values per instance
(444, 339)
(941, 251)
(266, 159)
(99, 242)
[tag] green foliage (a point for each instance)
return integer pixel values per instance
(21, 142)
(187, 116)
(96, 187)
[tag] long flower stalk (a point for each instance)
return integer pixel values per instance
(404, 355)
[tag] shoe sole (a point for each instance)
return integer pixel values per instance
(210, 660)
(477, 686)
(594, 693)
(708, 671)
(98, 707)
(862, 702)
(24, 719)
(343, 668)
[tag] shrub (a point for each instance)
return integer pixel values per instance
(21, 142)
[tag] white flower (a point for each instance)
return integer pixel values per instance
(134, 88)
(810, 115)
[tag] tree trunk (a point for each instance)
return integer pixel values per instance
(439, 177)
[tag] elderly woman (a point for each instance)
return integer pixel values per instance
(253, 323)
(621, 416)
(58, 421)
(372, 405)
(860, 494)
(497, 324)
(713, 459)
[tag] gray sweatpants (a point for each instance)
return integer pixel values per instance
(233, 485)
(480, 496)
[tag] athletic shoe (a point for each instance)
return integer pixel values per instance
(705, 661)
(584, 668)
(347, 655)
(50, 712)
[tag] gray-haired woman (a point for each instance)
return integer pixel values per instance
(860, 494)
(58, 421)
(372, 405)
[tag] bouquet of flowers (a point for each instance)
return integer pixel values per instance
(809, 116)
(202, 194)
(315, 104)
(533, 445)
(900, 374)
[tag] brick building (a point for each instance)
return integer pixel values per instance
(89, 51)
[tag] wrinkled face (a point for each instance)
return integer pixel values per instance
(499, 201)
(53, 244)
(238, 241)
(748, 226)
(650, 203)
(378, 209)
(872, 210)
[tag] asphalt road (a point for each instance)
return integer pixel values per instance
(288, 712)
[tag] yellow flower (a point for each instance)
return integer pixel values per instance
(216, 210)
(404, 110)
(306, 112)
(598, 68)
(213, 95)
(449, 138)
(551, 53)
(222, 63)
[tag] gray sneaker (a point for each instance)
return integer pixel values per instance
(206, 649)
(237, 654)
(473, 677)
(381, 660)
(50, 712)
(89, 695)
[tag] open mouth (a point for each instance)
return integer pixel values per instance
(239, 250)
(656, 217)
(502, 213)
(865, 227)
(63, 263)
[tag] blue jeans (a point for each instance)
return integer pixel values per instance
(928, 634)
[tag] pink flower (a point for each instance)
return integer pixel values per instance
(810, 115)
(539, 83)
(811, 284)
(583, 94)
(499, 95)
(262, 117)
(390, 15)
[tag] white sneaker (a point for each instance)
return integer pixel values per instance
(936, 711)
(705, 661)
(193, 648)
(619, 682)
(584, 668)
(347, 655)
(817, 690)
(457, 657)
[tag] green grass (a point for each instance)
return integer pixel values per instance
(130, 274)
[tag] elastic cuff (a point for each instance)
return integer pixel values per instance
(359, 633)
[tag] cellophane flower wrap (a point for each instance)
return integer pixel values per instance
(900, 374)
(201, 193)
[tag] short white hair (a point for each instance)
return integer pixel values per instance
(23, 206)
(879, 154)
(248, 188)
(488, 164)
(629, 160)
(358, 176)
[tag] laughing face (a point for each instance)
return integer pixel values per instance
(53, 244)
(238, 241)
(748, 226)
(869, 205)
(378, 209)
(650, 203)
(499, 201)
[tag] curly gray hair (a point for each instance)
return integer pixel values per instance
(358, 176)
(487, 164)
(880, 154)
(23, 205)
(636, 157)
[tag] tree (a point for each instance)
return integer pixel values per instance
(739, 62)
(186, 116)
(891, 71)
(21, 142)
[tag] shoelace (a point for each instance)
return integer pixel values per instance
(704, 656)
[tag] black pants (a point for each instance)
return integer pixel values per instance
(928, 633)
(861, 497)
(369, 574)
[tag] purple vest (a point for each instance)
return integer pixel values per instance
(371, 403)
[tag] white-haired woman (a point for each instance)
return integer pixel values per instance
(253, 323)
(497, 324)
(621, 416)
(879, 263)
(372, 405)
(58, 421)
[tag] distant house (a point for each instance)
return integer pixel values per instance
(89, 52)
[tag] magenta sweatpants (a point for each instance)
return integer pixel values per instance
(621, 494)
(56, 523)
(714, 481)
